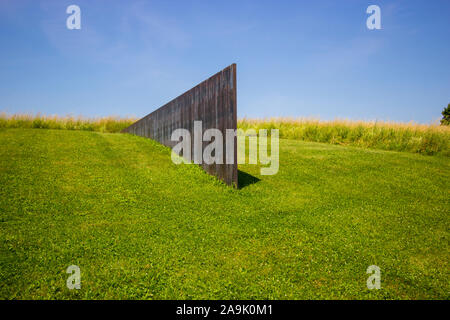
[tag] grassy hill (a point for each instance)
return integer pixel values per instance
(139, 226)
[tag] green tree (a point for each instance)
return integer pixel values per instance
(446, 116)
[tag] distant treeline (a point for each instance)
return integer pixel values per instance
(411, 137)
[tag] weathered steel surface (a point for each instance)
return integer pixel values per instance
(213, 102)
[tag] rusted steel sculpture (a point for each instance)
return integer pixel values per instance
(213, 102)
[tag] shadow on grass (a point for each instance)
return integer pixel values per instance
(245, 179)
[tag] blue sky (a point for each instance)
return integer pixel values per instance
(294, 58)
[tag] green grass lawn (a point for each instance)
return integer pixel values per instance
(140, 227)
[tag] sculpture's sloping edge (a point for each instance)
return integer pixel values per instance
(213, 102)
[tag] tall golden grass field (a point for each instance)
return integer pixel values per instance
(429, 139)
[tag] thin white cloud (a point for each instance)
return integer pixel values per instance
(346, 56)
(154, 28)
